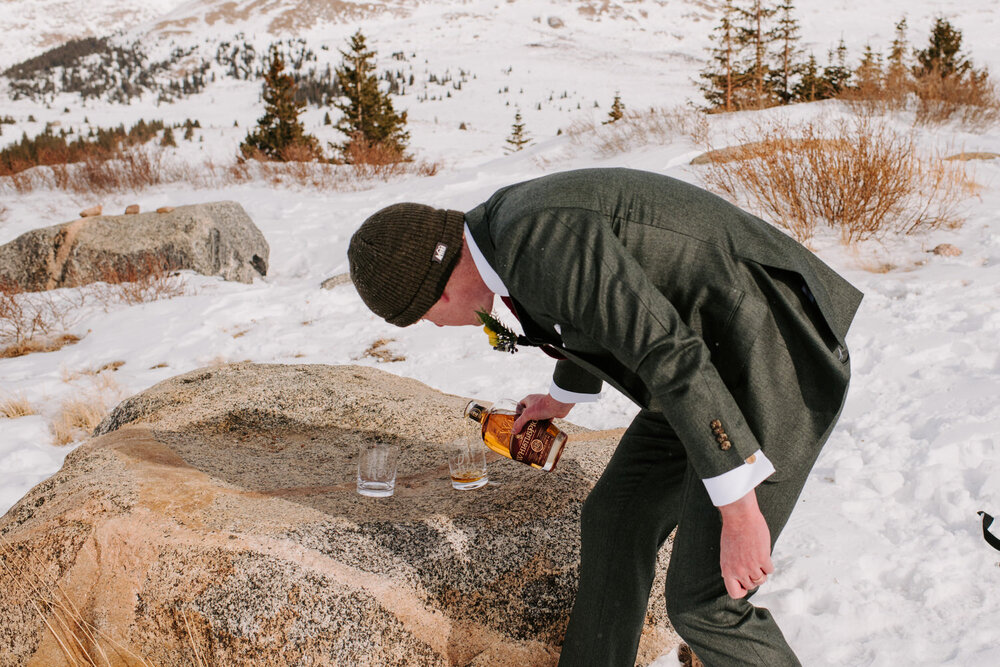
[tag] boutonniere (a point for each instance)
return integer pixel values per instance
(502, 339)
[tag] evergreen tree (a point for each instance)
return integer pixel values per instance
(943, 54)
(368, 115)
(518, 138)
(754, 34)
(721, 79)
(786, 36)
(836, 74)
(810, 86)
(279, 130)
(617, 110)
(869, 73)
(168, 137)
(897, 72)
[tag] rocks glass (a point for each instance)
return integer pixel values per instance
(467, 462)
(377, 469)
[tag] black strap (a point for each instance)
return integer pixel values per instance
(991, 539)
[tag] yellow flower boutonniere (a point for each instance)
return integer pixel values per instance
(502, 339)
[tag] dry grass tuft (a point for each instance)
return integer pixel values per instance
(634, 129)
(379, 350)
(78, 417)
(15, 406)
(861, 178)
(81, 642)
(110, 367)
(38, 344)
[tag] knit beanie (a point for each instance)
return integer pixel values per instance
(401, 258)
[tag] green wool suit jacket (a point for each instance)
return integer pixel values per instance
(658, 288)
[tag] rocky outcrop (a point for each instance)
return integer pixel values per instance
(213, 239)
(213, 518)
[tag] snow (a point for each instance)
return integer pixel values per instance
(883, 563)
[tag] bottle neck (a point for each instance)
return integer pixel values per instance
(475, 412)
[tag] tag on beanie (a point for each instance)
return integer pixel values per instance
(439, 252)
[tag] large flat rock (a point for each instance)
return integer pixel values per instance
(214, 517)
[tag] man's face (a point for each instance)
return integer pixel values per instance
(450, 312)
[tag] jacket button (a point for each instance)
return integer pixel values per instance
(716, 424)
(725, 445)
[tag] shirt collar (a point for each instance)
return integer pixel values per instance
(486, 272)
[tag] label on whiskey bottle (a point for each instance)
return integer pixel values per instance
(531, 445)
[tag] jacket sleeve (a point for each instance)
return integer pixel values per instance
(572, 384)
(567, 263)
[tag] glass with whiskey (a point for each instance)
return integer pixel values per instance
(467, 462)
(539, 444)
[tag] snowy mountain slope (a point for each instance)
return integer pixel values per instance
(29, 27)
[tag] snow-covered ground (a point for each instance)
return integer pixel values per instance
(883, 563)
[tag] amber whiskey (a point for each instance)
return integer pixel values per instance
(539, 444)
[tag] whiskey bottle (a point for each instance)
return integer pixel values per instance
(539, 444)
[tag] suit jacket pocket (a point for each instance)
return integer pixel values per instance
(732, 343)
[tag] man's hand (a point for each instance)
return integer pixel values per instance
(745, 554)
(539, 406)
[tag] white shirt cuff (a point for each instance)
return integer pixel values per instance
(733, 485)
(566, 396)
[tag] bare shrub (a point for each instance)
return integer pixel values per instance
(15, 406)
(971, 99)
(861, 178)
(38, 321)
(135, 168)
(35, 322)
(128, 169)
(134, 281)
(634, 129)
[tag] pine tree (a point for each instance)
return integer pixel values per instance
(721, 82)
(168, 137)
(897, 73)
(753, 32)
(617, 110)
(518, 138)
(810, 86)
(279, 131)
(943, 54)
(368, 116)
(836, 74)
(869, 73)
(786, 36)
